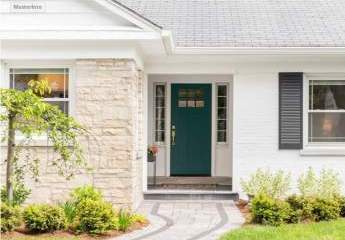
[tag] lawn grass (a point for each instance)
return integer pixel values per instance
(333, 230)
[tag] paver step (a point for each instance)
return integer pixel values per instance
(190, 195)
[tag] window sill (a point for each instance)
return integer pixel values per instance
(323, 150)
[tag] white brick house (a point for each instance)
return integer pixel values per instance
(222, 87)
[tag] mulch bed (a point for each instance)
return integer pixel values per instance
(243, 206)
(22, 233)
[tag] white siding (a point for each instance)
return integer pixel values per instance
(256, 130)
(61, 13)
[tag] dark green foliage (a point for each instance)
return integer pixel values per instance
(341, 201)
(44, 218)
(94, 217)
(20, 194)
(326, 209)
(10, 217)
(124, 221)
(302, 208)
(266, 210)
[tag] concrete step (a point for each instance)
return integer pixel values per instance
(190, 195)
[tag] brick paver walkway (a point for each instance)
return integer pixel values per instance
(187, 220)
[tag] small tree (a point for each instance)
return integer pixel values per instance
(25, 112)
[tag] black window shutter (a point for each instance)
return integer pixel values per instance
(291, 110)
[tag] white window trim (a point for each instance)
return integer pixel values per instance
(41, 140)
(318, 148)
(159, 143)
(227, 113)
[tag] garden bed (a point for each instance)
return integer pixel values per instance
(22, 234)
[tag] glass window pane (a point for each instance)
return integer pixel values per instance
(63, 106)
(221, 113)
(160, 101)
(327, 95)
(222, 90)
(159, 136)
(160, 125)
(58, 82)
(221, 102)
(160, 90)
(326, 127)
(221, 125)
(160, 113)
(221, 136)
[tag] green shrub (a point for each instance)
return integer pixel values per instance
(341, 201)
(44, 218)
(302, 208)
(326, 209)
(20, 194)
(95, 217)
(85, 192)
(275, 185)
(124, 220)
(266, 210)
(10, 217)
(327, 185)
(138, 218)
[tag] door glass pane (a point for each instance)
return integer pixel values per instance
(221, 102)
(222, 91)
(160, 136)
(221, 136)
(326, 127)
(221, 113)
(221, 124)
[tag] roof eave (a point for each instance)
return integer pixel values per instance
(258, 50)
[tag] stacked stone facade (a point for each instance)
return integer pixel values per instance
(108, 102)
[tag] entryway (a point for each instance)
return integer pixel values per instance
(191, 114)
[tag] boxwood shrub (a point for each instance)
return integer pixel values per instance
(94, 217)
(326, 209)
(10, 217)
(44, 218)
(266, 210)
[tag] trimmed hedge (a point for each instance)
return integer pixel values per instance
(10, 217)
(266, 210)
(44, 218)
(94, 217)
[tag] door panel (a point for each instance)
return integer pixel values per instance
(191, 106)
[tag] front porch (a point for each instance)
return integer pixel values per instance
(190, 183)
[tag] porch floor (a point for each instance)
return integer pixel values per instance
(191, 183)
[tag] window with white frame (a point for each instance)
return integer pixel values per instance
(222, 112)
(159, 112)
(326, 113)
(58, 79)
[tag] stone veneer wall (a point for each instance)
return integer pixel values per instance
(108, 102)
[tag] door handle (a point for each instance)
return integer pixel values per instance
(173, 134)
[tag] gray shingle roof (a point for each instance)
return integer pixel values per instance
(248, 23)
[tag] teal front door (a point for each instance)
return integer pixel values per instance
(190, 130)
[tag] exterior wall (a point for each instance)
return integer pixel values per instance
(256, 128)
(221, 153)
(108, 102)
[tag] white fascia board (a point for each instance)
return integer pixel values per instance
(78, 35)
(259, 50)
(128, 15)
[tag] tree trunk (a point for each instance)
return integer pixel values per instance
(10, 158)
